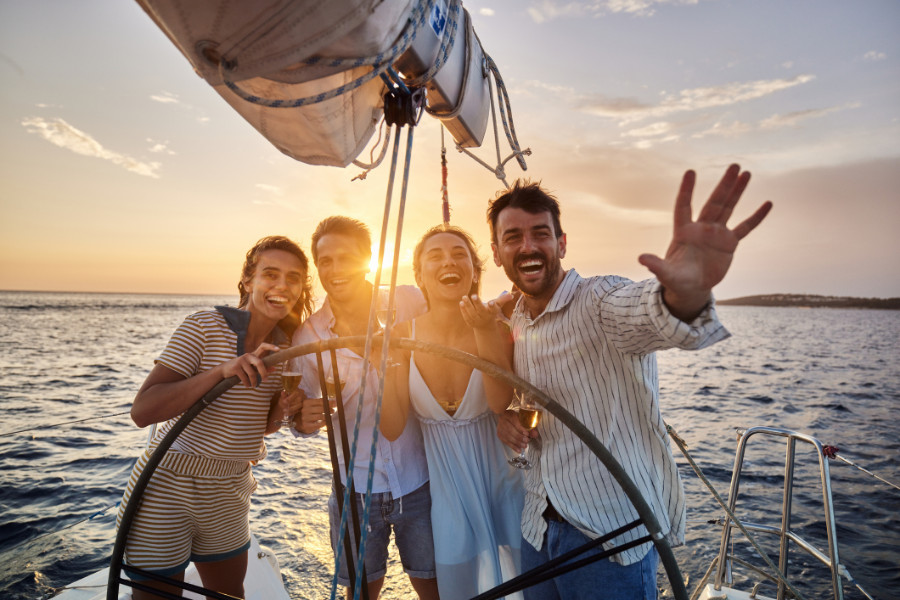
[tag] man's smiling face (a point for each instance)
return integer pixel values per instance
(342, 266)
(529, 251)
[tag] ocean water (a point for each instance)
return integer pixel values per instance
(834, 374)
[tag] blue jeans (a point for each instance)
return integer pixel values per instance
(601, 579)
(409, 517)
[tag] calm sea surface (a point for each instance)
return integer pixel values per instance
(834, 374)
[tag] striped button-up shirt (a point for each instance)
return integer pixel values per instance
(592, 351)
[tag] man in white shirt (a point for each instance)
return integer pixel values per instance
(401, 500)
(590, 344)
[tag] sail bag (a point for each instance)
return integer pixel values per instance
(279, 51)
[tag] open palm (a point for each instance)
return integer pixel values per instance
(701, 251)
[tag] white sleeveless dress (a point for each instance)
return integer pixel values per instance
(476, 497)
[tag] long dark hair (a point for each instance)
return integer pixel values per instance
(304, 305)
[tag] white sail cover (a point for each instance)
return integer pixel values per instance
(263, 44)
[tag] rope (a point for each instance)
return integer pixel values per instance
(508, 126)
(379, 62)
(448, 39)
(683, 447)
(351, 460)
(445, 196)
(118, 414)
(374, 161)
(699, 589)
(61, 529)
(384, 355)
(832, 452)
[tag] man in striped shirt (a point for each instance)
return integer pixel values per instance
(590, 344)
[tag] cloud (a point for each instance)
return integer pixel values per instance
(873, 55)
(628, 110)
(548, 10)
(160, 147)
(487, 12)
(602, 209)
(655, 129)
(720, 129)
(60, 133)
(271, 189)
(165, 98)
(792, 118)
(273, 195)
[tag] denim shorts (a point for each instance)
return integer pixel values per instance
(410, 519)
(635, 582)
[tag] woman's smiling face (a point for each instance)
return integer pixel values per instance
(276, 284)
(447, 270)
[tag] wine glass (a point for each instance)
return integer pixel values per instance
(290, 379)
(382, 313)
(346, 368)
(386, 317)
(529, 413)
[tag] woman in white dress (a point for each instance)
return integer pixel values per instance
(476, 496)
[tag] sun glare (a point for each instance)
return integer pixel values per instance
(405, 259)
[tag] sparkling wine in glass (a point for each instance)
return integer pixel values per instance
(385, 317)
(529, 413)
(331, 389)
(289, 382)
(382, 316)
(383, 295)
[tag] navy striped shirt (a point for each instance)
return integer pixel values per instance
(592, 351)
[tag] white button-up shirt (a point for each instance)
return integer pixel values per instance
(400, 466)
(592, 351)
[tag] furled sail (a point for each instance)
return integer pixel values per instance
(305, 73)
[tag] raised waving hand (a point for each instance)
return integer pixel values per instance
(701, 251)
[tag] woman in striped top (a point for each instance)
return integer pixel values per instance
(196, 506)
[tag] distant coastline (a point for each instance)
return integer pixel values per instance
(812, 301)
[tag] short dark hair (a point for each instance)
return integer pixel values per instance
(342, 225)
(530, 197)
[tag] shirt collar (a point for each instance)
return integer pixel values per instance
(324, 324)
(561, 297)
(238, 320)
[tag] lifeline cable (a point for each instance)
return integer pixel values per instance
(60, 424)
(832, 452)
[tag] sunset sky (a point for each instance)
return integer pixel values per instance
(122, 170)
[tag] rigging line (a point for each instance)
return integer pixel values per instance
(445, 195)
(374, 162)
(384, 354)
(832, 452)
(683, 447)
(351, 460)
(60, 424)
(61, 529)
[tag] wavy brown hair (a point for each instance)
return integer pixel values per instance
(304, 305)
(477, 262)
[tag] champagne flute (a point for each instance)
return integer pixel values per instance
(529, 413)
(381, 310)
(385, 317)
(289, 381)
(344, 367)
